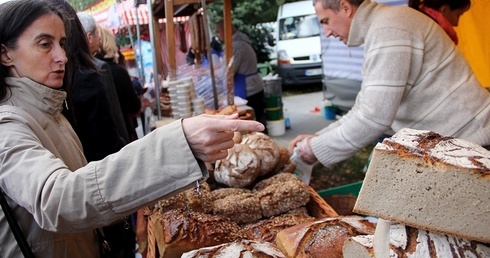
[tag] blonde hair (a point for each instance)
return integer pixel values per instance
(108, 44)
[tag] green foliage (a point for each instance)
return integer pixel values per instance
(246, 14)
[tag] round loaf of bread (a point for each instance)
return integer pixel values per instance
(239, 169)
(267, 150)
(319, 237)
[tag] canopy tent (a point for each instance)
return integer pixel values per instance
(113, 15)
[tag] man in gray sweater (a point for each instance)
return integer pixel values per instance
(413, 77)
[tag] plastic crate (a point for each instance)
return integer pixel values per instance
(352, 189)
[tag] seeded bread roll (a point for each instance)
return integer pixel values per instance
(243, 208)
(281, 193)
(239, 169)
(322, 237)
(276, 179)
(266, 149)
(178, 231)
(237, 249)
(189, 199)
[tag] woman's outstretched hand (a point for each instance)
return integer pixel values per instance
(210, 136)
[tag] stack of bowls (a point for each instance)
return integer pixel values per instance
(184, 100)
(172, 92)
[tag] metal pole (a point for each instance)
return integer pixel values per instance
(209, 54)
(156, 81)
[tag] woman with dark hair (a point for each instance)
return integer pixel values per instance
(445, 12)
(56, 198)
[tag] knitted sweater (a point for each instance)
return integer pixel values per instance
(414, 77)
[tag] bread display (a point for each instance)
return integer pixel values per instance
(249, 205)
(322, 237)
(178, 231)
(407, 242)
(431, 182)
(238, 249)
(239, 169)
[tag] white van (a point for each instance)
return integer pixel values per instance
(298, 44)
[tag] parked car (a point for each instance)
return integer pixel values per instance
(298, 44)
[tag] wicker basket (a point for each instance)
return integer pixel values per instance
(318, 207)
(343, 204)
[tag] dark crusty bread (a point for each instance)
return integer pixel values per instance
(424, 180)
(267, 229)
(322, 237)
(178, 231)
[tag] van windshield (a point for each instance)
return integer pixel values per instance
(299, 27)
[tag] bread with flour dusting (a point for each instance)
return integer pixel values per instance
(428, 181)
(407, 242)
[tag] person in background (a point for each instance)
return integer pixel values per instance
(445, 12)
(247, 81)
(128, 100)
(414, 77)
(90, 112)
(93, 39)
(56, 197)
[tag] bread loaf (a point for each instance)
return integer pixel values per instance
(267, 229)
(408, 242)
(178, 231)
(322, 237)
(237, 249)
(239, 169)
(238, 204)
(266, 149)
(189, 199)
(425, 180)
(281, 193)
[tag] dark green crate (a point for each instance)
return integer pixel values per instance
(352, 189)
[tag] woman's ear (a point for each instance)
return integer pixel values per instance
(4, 56)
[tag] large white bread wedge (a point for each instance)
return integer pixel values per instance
(427, 181)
